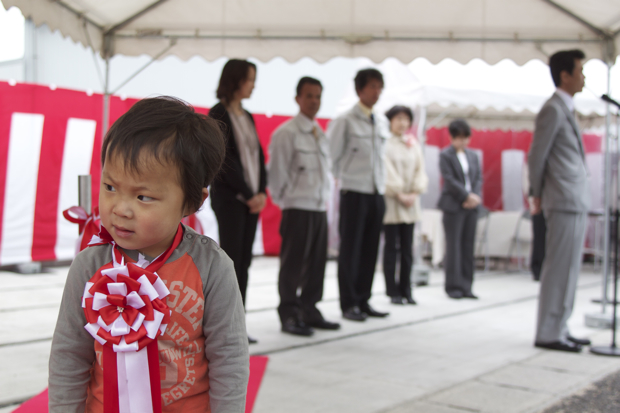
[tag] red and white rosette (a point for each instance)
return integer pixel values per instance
(125, 312)
(89, 225)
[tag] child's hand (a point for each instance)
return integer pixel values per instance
(257, 203)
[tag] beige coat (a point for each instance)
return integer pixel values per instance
(404, 174)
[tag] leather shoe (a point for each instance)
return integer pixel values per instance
(580, 341)
(397, 300)
(354, 314)
(323, 325)
(409, 299)
(373, 313)
(457, 295)
(561, 346)
(296, 327)
(470, 295)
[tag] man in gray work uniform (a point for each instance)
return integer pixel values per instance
(356, 141)
(299, 183)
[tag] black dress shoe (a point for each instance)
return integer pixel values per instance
(323, 325)
(397, 300)
(296, 327)
(410, 300)
(455, 294)
(561, 346)
(355, 314)
(373, 313)
(252, 340)
(470, 295)
(580, 341)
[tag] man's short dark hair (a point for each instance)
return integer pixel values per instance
(306, 80)
(399, 109)
(171, 132)
(364, 76)
(235, 71)
(564, 61)
(458, 128)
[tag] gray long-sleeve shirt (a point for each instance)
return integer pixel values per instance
(203, 353)
(299, 164)
(356, 146)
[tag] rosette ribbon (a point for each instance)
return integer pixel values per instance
(125, 310)
(89, 225)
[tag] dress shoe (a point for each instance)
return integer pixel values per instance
(561, 346)
(470, 295)
(457, 295)
(355, 314)
(409, 299)
(580, 341)
(397, 300)
(373, 313)
(296, 327)
(323, 325)
(252, 340)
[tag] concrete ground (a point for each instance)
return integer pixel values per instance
(441, 356)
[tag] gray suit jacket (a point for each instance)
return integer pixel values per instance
(556, 160)
(453, 193)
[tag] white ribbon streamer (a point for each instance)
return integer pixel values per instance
(133, 373)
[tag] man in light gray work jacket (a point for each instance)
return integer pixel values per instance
(559, 186)
(356, 141)
(299, 182)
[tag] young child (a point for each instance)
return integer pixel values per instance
(158, 160)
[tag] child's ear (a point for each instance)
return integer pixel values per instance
(189, 211)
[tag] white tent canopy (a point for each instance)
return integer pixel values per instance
(461, 29)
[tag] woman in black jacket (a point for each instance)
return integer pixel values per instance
(238, 194)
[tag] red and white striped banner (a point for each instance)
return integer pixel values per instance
(49, 137)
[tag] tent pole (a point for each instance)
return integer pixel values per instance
(607, 198)
(106, 99)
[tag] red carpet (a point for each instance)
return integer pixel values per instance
(258, 364)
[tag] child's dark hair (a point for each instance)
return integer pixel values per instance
(395, 110)
(458, 128)
(173, 133)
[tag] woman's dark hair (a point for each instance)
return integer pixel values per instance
(458, 128)
(564, 61)
(364, 76)
(307, 80)
(395, 110)
(235, 71)
(172, 133)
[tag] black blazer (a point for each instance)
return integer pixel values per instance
(230, 181)
(453, 193)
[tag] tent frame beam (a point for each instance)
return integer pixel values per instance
(130, 19)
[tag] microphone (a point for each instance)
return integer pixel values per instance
(610, 100)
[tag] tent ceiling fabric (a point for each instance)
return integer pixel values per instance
(322, 29)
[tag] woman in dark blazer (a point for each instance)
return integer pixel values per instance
(459, 201)
(238, 194)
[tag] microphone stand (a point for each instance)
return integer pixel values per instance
(612, 350)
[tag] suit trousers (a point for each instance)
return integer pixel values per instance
(539, 229)
(398, 238)
(460, 230)
(303, 256)
(237, 229)
(361, 218)
(560, 272)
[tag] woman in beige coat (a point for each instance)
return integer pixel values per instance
(405, 180)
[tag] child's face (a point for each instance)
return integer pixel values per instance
(141, 211)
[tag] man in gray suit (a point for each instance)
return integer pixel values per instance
(559, 187)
